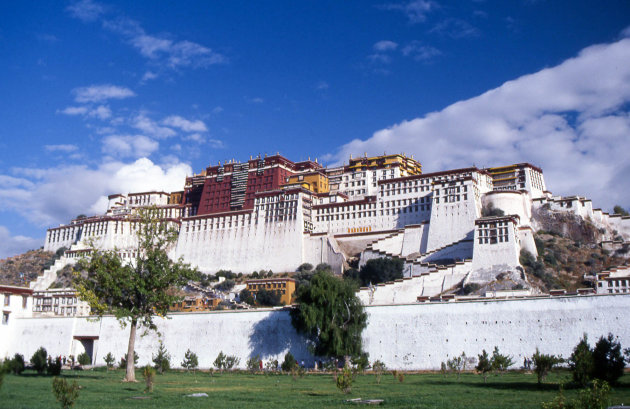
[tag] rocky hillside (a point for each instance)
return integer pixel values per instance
(21, 269)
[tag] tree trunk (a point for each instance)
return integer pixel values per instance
(130, 375)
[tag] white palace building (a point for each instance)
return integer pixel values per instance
(274, 214)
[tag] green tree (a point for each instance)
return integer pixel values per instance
(543, 364)
(190, 360)
(84, 358)
(39, 360)
(608, 362)
(16, 364)
(268, 298)
(66, 394)
(138, 291)
(331, 316)
(289, 362)
(581, 362)
(162, 361)
(380, 270)
(247, 297)
(620, 210)
(109, 360)
(219, 362)
(501, 362)
(484, 365)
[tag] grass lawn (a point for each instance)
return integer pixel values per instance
(104, 389)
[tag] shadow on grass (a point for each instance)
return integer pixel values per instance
(506, 385)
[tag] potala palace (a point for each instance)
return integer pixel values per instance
(272, 213)
(450, 228)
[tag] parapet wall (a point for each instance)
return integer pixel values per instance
(413, 336)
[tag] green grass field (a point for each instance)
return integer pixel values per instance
(104, 389)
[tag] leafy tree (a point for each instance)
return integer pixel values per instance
(109, 360)
(457, 364)
(581, 362)
(289, 362)
(231, 361)
(135, 292)
(253, 363)
(149, 375)
(305, 267)
(543, 364)
(331, 316)
(162, 361)
(16, 364)
(39, 360)
(378, 367)
(190, 360)
(246, 296)
(53, 367)
(226, 285)
(620, 210)
(484, 365)
(219, 362)
(501, 362)
(268, 298)
(344, 379)
(608, 361)
(66, 394)
(380, 270)
(84, 358)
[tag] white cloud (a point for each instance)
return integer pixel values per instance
(14, 245)
(74, 111)
(455, 28)
(98, 93)
(101, 112)
(322, 85)
(164, 50)
(67, 148)
(149, 75)
(217, 110)
(380, 58)
(184, 124)
(416, 10)
(571, 119)
(384, 45)
(625, 32)
(86, 10)
(255, 100)
(420, 52)
(150, 127)
(61, 193)
(129, 145)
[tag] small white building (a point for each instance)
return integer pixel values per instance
(614, 281)
(15, 302)
(59, 302)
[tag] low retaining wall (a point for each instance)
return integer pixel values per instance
(414, 336)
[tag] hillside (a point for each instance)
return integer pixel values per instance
(23, 268)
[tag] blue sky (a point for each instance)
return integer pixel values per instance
(108, 97)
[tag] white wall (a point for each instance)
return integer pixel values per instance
(413, 336)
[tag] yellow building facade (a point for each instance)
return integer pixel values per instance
(285, 286)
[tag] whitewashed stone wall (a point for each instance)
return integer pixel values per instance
(413, 336)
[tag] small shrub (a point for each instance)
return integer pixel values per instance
(344, 379)
(190, 360)
(253, 363)
(53, 366)
(231, 361)
(161, 361)
(123, 360)
(2, 371)
(378, 367)
(84, 359)
(543, 364)
(149, 375)
(443, 369)
(16, 364)
(457, 364)
(65, 393)
(219, 362)
(39, 360)
(109, 360)
(361, 363)
(596, 397)
(401, 377)
(289, 362)
(484, 366)
(501, 362)
(271, 365)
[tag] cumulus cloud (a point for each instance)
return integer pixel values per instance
(571, 119)
(150, 127)
(72, 111)
(99, 93)
(455, 28)
(13, 245)
(55, 195)
(129, 145)
(384, 45)
(66, 148)
(416, 10)
(184, 124)
(149, 75)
